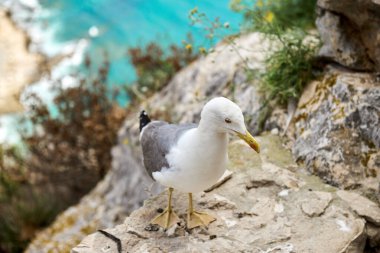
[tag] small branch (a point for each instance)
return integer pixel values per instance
(220, 183)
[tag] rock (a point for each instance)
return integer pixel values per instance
(337, 131)
(251, 216)
(362, 206)
(316, 205)
(277, 120)
(350, 32)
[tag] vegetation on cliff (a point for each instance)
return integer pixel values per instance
(66, 152)
(289, 67)
(285, 14)
(155, 67)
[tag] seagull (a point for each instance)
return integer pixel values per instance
(191, 158)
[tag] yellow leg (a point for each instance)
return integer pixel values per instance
(195, 218)
(168, 217)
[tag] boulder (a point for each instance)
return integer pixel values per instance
(263, 207)
(362, 206)
(337, 131)
(350, 32)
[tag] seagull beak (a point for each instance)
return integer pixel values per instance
(248, 138)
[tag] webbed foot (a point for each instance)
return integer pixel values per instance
(197, 219)
(166, 219)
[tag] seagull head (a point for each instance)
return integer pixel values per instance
(222, 115)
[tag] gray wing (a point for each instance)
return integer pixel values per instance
(157, 139)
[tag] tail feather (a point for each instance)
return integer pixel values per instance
(144, 120)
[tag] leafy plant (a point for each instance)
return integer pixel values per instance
(290, 67)
(285, 14)
(70, 148)
(214, 29)
(155, 68)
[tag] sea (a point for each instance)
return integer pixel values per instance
(106, 29)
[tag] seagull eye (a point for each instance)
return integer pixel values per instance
(227, 120)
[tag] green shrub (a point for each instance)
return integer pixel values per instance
(289, 67)
(288, 22)
(285, 14)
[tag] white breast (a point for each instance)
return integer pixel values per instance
(196, 162)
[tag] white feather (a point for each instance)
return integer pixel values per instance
(199, 158)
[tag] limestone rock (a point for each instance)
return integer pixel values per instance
(316, 205)
(350, 32)
(266, 217)
(337, 131)
(362, 206)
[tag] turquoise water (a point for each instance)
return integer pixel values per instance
(124, 23)
(119, 24)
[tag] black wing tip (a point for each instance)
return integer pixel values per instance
(144, 119)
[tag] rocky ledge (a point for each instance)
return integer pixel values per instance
(267, 205)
